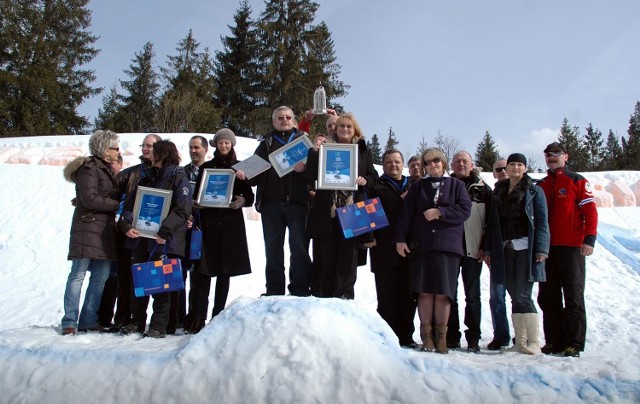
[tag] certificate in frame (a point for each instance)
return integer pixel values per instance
(283, 159)
(338, 166)
(216, 188)
(150, 209)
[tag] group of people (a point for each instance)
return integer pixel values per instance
(443, 222)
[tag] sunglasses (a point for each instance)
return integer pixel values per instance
(553, 154)
(499, 169)
(282, 118)
(434, 161)
(114, 148)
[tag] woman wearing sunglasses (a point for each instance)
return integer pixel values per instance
(430, 227)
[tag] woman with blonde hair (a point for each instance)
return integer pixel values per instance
(92, 238)
(429, 229)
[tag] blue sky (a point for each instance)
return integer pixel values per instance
(512, 67)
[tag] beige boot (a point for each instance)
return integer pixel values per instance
(441, 339)
(520, 333)
(533, 334)
(427, 338)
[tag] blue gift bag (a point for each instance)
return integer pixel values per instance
(163, 275)
(195, 246)
(362, 217)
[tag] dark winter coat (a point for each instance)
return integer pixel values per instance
(535, 209)
(224, 238)
(384, 253)
(291, 187)
(93, 223)
(320, 217)
(443, 234)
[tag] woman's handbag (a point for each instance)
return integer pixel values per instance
(163, 275)
(362, 217)
(195, 246)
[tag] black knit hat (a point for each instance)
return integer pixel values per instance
(517, 158)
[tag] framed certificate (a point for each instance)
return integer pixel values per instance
(149, 210)
(252, 166)
(338, 166)
(283, 159)
(216, 188)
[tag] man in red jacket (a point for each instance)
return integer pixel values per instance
(573, 220)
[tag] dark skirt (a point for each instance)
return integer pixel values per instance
(435, 272)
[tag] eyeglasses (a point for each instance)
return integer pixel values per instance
(146, 146)
(434, 161)
(114, 148)
(553, 154)
(282, 118)
(499, 169)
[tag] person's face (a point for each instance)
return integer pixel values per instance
(392, 165)
(331, 125)
(516, 170)
(415, 169)
(116, 166)
(196, 151)
(433, 165)
(318, 140)
(284, 120)
(113, 152)
(500, 170)
(462, 165)
(556, 159)
(224, 146)
(345, 131)
(147, 146)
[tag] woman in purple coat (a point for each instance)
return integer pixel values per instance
(430, 229)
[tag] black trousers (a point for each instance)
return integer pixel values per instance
(561, 298)
(339, 264)
(396, 305)
(199, 295)
(471, 270)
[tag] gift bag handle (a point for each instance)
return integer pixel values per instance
(164, 250)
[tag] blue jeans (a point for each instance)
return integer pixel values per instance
(277, 216)
(498, 307)
(89, 315)
(517, 281)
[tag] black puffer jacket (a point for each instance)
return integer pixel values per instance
(93, 224)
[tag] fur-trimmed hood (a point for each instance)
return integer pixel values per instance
(70, 169)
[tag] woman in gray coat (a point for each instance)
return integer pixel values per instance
(91, 243)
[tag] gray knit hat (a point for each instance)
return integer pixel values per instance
(222, 134)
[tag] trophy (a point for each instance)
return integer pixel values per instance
(319, 101)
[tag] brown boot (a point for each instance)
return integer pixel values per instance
(427, 339)
(441, 339)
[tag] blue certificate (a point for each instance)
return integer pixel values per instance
(150, 209)
(337, 166)
(289, 155)
(216, 188)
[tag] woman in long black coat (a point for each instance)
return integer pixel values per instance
(225, 252)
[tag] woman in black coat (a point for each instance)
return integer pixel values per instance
(170, 238)
(92, 239)
(225, 252)
(339, 255)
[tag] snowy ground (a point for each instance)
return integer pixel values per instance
(280, 350)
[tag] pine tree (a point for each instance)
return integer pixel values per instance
(110, 115)
(140, 103)
(374, 146)
(422, 146)
(287, 40)
(486, 153)
(631, 146)
(43, 46)
(570, 138)
(593, 148)
(236, 75)
(392, 142)
(187, 104)
(612, 156)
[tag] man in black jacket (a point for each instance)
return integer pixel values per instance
(282, 202)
